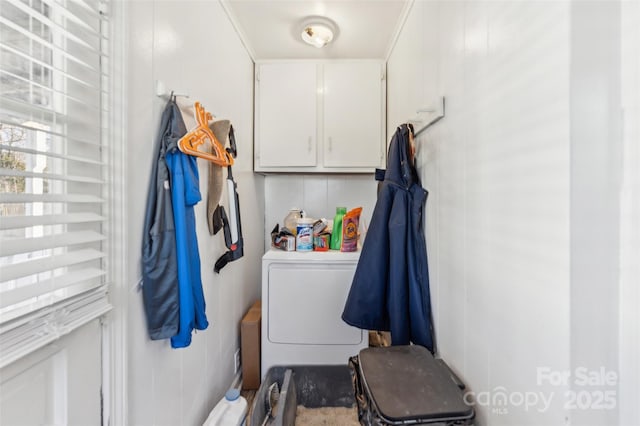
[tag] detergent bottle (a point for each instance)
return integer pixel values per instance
(336, 232)
(230, 411)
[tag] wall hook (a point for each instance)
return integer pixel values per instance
(162, 92)
(439, 110)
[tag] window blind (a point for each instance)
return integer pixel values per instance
(54, 171)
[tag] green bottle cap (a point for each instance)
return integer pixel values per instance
(341, 210)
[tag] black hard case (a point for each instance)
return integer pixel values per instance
(406, 385)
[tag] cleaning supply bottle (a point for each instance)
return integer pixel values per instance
(304, 234)
(336, 232)
(291, 220)
(230, 411)
(350, 223)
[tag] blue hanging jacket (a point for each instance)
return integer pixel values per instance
(390, 288)
(185, 194)
(159, 258)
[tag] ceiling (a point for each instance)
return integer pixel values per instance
(270, 29)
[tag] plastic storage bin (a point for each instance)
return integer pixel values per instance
(230, 411)
(312, 386)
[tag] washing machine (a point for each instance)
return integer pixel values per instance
(303, 295)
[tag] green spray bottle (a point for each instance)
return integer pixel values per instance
(336, 232)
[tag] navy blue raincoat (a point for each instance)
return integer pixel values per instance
(390, 288)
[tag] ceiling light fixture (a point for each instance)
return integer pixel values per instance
(318, 31)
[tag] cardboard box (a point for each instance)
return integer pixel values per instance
(250, 347)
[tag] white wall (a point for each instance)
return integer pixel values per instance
(317, 195)
(629, 336)
(595, 166)
(497, 169)
(192, 48)
(534, 184)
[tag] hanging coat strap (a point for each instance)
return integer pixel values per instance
(232, 226)
(233, 150)
(379, 176)
(217, 219)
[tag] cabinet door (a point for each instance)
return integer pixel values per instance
(353, 115)
(286, 115)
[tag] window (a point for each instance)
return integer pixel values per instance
(54, 175)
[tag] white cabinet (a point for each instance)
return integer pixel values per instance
(286, 111)
(353, 113)
(320, 116)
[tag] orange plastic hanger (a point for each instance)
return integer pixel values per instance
(190, 142)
